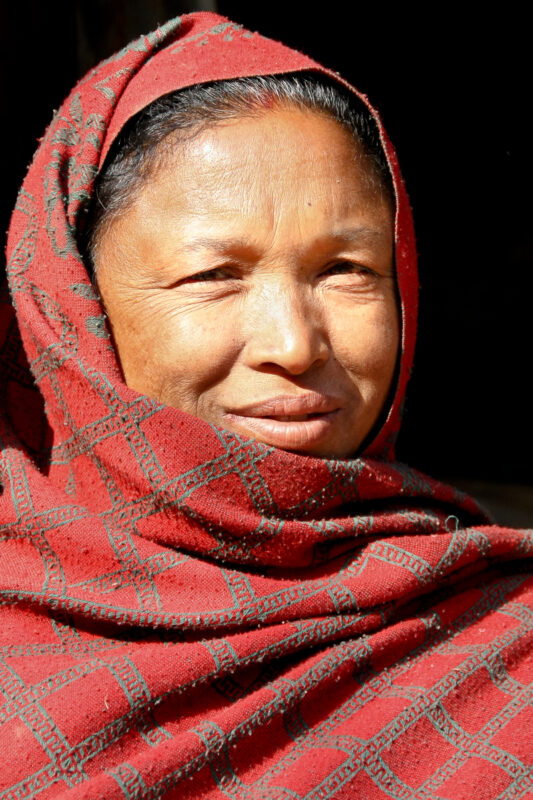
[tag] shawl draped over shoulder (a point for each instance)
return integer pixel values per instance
(188, 613)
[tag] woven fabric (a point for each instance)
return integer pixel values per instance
(186, 613)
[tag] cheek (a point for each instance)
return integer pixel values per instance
(365, 342)
(184, 353)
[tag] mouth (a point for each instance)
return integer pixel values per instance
(290, 423)
(293, 418)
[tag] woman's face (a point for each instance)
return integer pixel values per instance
(252, 285)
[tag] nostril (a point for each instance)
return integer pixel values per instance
(290, 361)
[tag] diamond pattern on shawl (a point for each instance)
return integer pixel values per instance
(40, 726)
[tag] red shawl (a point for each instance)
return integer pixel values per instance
(187, 613)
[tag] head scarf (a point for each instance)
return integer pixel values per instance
(187, 613)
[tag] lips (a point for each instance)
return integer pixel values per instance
(291, 423)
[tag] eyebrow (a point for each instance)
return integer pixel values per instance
(360, 235)
(206, 243)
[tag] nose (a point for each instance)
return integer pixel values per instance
(284, 330)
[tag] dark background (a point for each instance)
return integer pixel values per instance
(453, 87)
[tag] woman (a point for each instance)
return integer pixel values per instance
(216, 580)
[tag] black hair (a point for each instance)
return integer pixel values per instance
(145, 140)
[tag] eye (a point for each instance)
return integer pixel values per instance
(209, 275)
(216, 282)
(350, 268)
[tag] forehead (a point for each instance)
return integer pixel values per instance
(286, 182)
(282, 151)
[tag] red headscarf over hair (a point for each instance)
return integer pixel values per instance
(187, 613)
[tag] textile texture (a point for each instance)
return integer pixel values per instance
(186, 613)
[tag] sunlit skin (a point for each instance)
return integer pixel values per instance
(251, 284)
